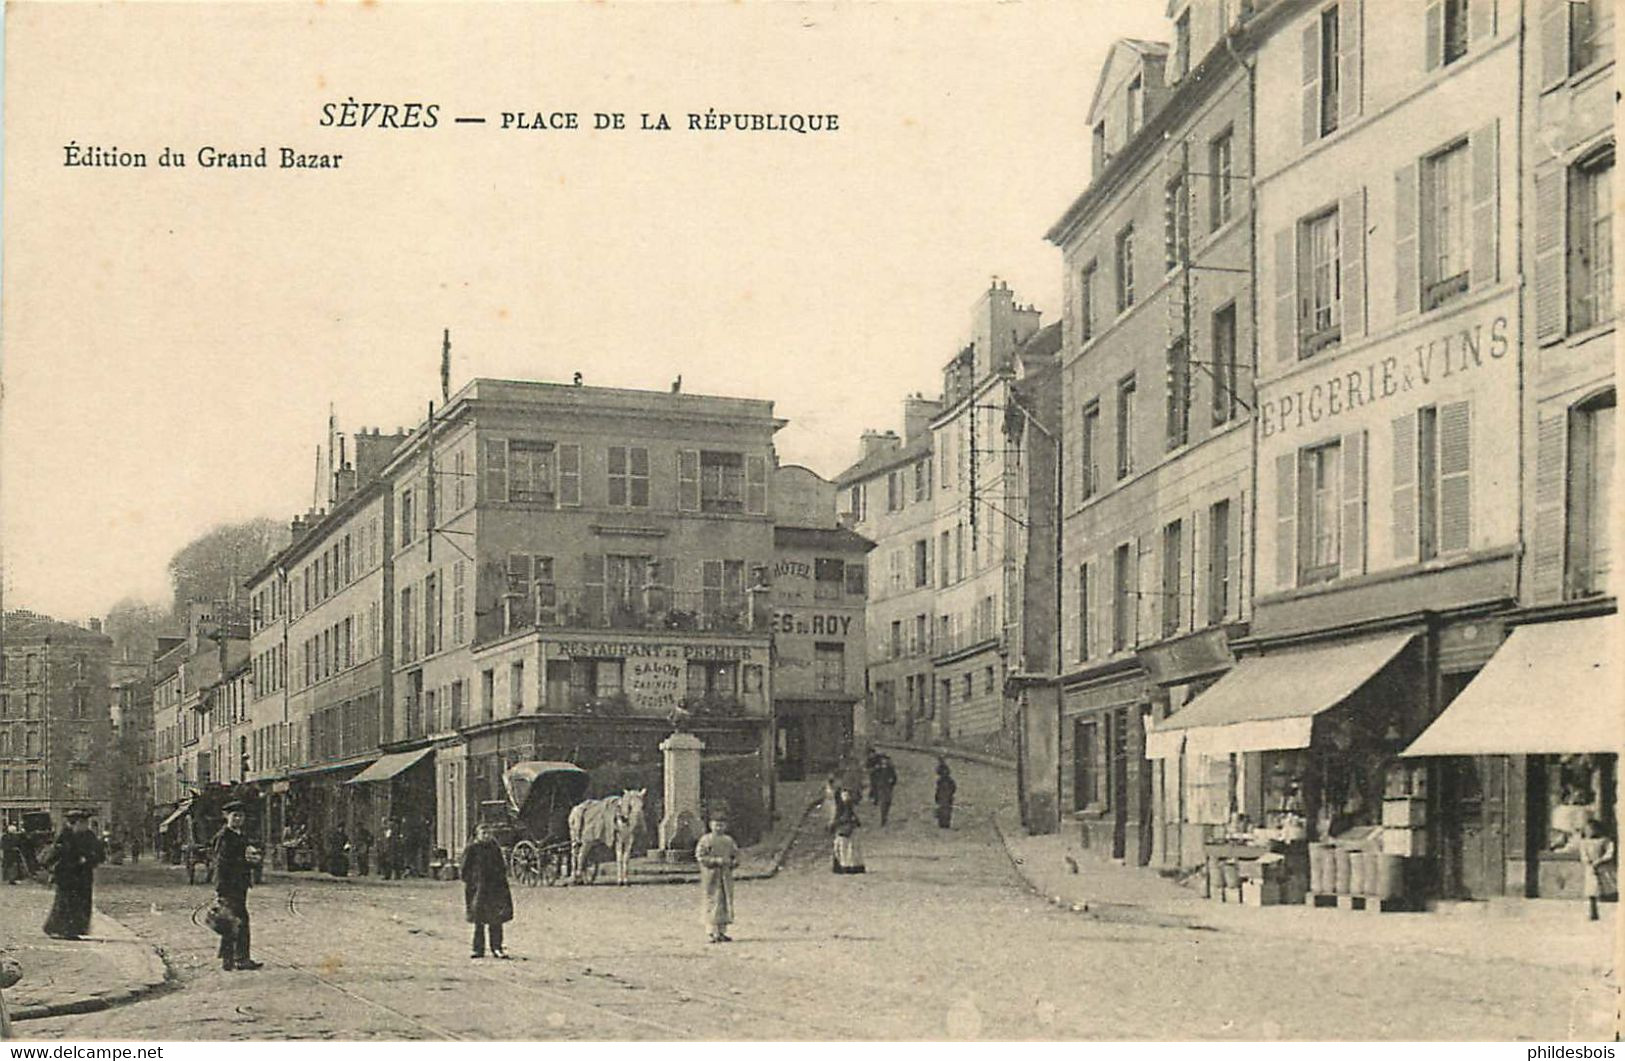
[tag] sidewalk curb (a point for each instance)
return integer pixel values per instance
(948, 752)
(157, 977)
(1017, 865)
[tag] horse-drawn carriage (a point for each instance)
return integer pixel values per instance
(549, 834)
(533, 823)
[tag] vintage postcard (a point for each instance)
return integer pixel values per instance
(1048, 520)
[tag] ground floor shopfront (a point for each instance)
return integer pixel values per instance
(1301, 742)
(1105, 780)
(812, 735)
(1524, 756)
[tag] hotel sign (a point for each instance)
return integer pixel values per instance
(1456, 351)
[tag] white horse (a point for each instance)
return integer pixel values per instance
(614, 822)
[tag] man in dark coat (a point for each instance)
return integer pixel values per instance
(945, 795)
(883, 782)
(487, 902)
(73, 860)
(389, 855)
(234, 861)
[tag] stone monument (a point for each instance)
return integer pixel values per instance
(682, 792)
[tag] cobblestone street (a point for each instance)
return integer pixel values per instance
(940, 939)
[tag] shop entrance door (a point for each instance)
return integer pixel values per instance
(1472, 808)
(792, 749)
(1120, 783)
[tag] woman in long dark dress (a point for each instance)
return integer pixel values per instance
(487, 901)
(73, 860)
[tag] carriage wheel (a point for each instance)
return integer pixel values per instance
(525, 863)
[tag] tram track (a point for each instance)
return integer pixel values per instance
(488, 974)
(283, 958)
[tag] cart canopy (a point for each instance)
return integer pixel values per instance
(567, 780)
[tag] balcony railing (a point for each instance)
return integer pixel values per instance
(653, 609)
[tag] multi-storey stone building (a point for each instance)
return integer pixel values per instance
(572, 565)
(819, 579)
(1529, 751)
(56, 735)
(887, 498)
(1156, 386)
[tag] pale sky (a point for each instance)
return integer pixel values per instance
(172, 337)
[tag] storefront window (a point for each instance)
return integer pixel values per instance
(1579, 789)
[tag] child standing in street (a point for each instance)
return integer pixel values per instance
(1597, 859)
(717, 855)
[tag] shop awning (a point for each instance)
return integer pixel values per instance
(1550, 689)
(1268, 703)
(175, 815)
(388, 766)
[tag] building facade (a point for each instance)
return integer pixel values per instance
(586, 561)
(1156, 393)
(819, 581)
(1527, 754)
(887, 498)
(56, 731)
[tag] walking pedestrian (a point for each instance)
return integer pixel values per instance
(73, 860)
(389, 852)
(717, 855)
(847, 857)
(487, 902)
(11, 854)
(832, 800)
(945, 795)
(883, 783)
(338, 854)
(871, 764)
(1597, 860)
(234, 862)
(363, 851)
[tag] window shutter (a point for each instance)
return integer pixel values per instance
(1554, 42)
(1455, 469)
(1406, 262)
(1286, 519)
(1485, 173)
(1311, 81)
(1551, 498)
(688, 481)
(496, 470)
(1480, 20)
(1138, 582)
(1069, 612)
(1551, 317)
(1093, 633)
(1352, 560)
(569, 473)
(1405, 526)
(1351, 218)
(756, 485)
(1238, 550)
(592, 581)
(1433, 36)
(1350, 54)
(1187, 574)
(1286, 310)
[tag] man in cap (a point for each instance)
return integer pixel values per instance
(234, 861)
(73, 859)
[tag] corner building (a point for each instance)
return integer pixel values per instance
(571, 565)
(1390, 333)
